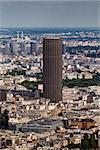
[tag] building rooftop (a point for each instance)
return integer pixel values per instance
(52, 37)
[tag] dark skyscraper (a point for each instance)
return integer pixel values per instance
(52, 68)
(33, 47)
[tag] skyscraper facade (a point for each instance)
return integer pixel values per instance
(52, 68)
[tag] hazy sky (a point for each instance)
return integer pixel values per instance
(52, 13)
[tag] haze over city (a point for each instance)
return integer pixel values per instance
(49, 13)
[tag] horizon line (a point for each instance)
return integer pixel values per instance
(47, 27)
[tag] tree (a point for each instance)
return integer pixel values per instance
(85, 142)
(92, 142)
(4, 119)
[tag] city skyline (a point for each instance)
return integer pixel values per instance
(49, 88)
(49, 14)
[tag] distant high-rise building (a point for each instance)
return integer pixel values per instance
(22, 36)
(63, 48)
(13, 47)
(33, 47)
(52, 68)
(18, 37)
(22, 46)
